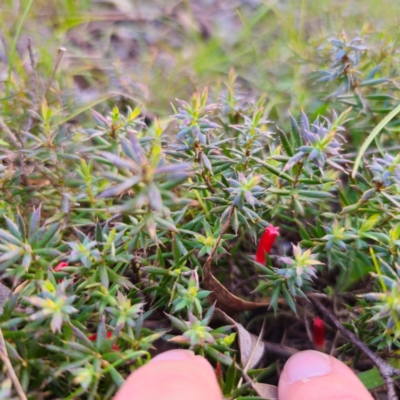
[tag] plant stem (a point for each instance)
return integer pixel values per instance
(10, 370)
(386, 370)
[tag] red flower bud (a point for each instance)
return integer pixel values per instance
(60, 266)
(318, 333)
(109, 335)
(218, 373)
(266, 243)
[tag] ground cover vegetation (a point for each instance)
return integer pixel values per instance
(210, 175)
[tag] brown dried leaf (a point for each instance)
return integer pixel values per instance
(220, 295)
(275, 348)
(252, 351)
(225, 300)
(247, 343)
(265, 391)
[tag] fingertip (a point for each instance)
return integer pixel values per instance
(172, 375)
(312, 375)
(174, 355)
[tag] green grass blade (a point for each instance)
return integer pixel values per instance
(372, 136)
(14, 45)
(90, 105)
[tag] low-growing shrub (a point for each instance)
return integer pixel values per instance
(106, 227)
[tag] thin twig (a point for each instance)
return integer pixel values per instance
(33, 66)
(207, 182)
(35, 95)
(279, 349)
(113, 218)
(386, 370)
(308, 330)
(223, 230)
(253, 381)
(11, 136)
(333, 346)
(60, 53)
(246, 367)
(10, 370)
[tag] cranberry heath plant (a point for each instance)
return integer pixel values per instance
(106, 225)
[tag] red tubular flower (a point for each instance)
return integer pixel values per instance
(319, 333)
(266, 243)
(60, 266)
(109, 334)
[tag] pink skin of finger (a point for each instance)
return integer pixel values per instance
(311, 375)
(173, 375)
(181, 375)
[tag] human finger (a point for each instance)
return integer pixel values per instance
(312, 375)
(172, 375)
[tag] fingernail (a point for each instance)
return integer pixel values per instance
(174, 355)
(305, 365)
